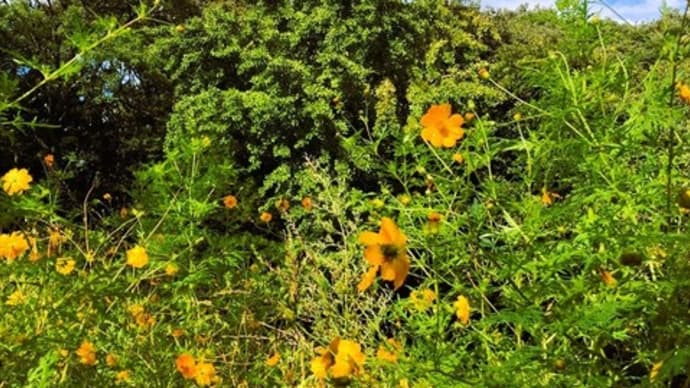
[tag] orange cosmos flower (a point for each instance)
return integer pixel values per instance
(16, 181)
(122, 376)
(13, 245)
(548, 197)
(230, 201)
(49, 160)
(442, 129)
(266, 217)
(307, 203)
(462, 309)
(386, 251)
(87, 353)
(186, 365)
(341, 359)
(110, 359)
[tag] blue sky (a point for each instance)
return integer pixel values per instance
(632, 10)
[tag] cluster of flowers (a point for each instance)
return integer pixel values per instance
(203, 373)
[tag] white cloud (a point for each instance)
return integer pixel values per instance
(634, 11)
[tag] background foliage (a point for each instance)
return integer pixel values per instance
(559, 212)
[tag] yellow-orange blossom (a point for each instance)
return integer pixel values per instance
(386, 251)
(442, 129)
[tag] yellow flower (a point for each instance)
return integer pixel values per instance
(342, 359)
(442, 129)
(422, 300)
(517, 116)
(458, 158)
(462, 309)
(87, 353)
(386, 251)
(205, 374)
(384, 354)
(307, 203)
(273, 360)
(13, 245)
(110, 359)
(122, 376)
(484, 74)
(16, 181)
(266, 217)
(137, 257)
(230, 201)
(16, 298)
(548, 197)
(469, 116)
(65, 265)
(684, 92)
(186, 365)
(171, 269)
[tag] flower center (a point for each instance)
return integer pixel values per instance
(390, 252)
(443, 130)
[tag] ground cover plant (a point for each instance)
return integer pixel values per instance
(342, 193)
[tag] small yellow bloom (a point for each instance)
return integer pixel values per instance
(484, 74)
(205, 374)
(422, 300)
(65, 265)
(122, 376)
(462, 309)
(548, 197)
(171, 269)
(87, 353)
(108, 197)
(273, 360)
(110, 360)
(469, 116)
(16, 298)
(230, 201)
(16, 181)
(137, 257)
(458, 158)
(307, 203)
(390, 352)
(517, 116)
(266, 217)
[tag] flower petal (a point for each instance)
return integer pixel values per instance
(454, 121)
(373, 254)
(367, 279)
(369, 238)
(402, 268)
(391, 233)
